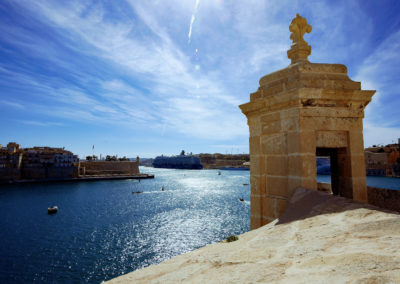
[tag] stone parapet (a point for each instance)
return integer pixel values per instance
(110, 167)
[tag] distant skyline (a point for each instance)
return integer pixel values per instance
(156, 77)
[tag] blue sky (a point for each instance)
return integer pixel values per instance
(155, 77)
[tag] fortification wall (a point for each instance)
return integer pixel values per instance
(49, 173)
(384, 198)
(110, 167)
(379, 197)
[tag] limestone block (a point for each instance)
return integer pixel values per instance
(271, 117)
(274, 144)
(255, 127)
(269, 207)
(301, 142)
(254, 96)
(356, 142)
(255, 201)
(295, 182)
(276, 165)
(255, 222)
(280, 207)
(358, 165)
(331, 139)
(257, 184)
(360, 193)
(276, 185)
(254, 182)
(271, 127)
(272, 90)
(255, 165)
(302, 165)
(254, 144)
(290, 113)
(330, 123)
(290, 124)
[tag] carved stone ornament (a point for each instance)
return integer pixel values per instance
(300, 49)
(298, 27)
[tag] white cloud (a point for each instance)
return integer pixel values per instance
(40, 123)
(12, 104)
(381, 72)
(158, 81)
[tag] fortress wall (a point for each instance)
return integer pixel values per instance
(384, 198)
(50, 172)
(380, 197)
(111, 167)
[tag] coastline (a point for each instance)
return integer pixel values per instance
(84, 178)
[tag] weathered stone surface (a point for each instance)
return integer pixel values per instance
(301, 110)
(319, 239)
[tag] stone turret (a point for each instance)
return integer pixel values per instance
(299, 112)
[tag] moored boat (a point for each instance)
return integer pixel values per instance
(52, 210)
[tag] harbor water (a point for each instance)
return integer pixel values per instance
(103, 230)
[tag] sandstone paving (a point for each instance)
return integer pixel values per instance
(320, 238)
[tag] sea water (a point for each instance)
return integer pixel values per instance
(103, 230)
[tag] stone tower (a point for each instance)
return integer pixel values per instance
(300, 112)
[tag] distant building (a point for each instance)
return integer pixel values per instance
(47, 162)
(383, 160)
(10, 162)
(36, 163)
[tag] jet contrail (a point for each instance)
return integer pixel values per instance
(192, 19)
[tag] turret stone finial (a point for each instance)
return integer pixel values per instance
(300, 49)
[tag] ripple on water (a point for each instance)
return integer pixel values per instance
(102, 230)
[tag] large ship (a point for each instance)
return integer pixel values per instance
(181, 161)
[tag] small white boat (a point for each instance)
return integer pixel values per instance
(52, 210)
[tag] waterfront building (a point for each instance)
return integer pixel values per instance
(10, 162)
(383, 160)
(36, 163)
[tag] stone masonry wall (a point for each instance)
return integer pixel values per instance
(384, 198)
(110, 167)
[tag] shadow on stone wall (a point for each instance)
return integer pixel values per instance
(384, 198)
(307, 203)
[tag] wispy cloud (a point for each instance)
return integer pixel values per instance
(40, 123)
(135, 69)
(12, 104)
(176, 85)
(380, 71)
